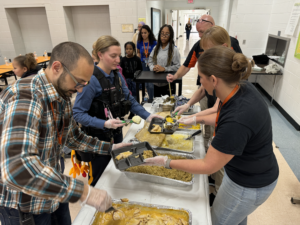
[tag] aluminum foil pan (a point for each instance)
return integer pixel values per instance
(151, 206)
(162, 180)
(188, 133)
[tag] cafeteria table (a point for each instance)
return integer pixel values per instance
(7, 69)
(3, 74)
(194, 197)
(153, 77)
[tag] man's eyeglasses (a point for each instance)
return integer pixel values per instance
(201, 20)
(78, 85)
(164, 35)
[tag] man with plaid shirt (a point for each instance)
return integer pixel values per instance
(36, 123)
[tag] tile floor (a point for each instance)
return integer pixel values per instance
(277, 210)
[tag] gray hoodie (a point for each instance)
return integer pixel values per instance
(162, 60)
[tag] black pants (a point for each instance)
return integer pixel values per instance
(100, 162)
(188, 32)
(164, 90)
(10, 216)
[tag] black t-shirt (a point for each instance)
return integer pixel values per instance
(245, 131)
(130, 66)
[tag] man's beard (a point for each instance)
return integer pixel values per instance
(59, 88)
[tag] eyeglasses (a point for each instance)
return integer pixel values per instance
(165, 35)
(78, 85)
(201, 20)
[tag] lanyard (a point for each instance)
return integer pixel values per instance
(146, 50)
(59, 136)
(221, 104)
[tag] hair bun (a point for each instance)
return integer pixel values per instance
(239, 63)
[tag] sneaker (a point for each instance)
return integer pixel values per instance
(211, 199)
(211, 181)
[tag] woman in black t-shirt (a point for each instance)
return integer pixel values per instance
(130, 64)
(242, 142)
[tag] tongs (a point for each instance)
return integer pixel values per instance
(174, 114)
(110, 209)
(194, 134)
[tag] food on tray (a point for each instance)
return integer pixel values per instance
(156, 128)
(169, 119)
(153, 139)
(124, 199)
(190, 127)
(136, 119)
(123, 155)
(162, 171)
(178, 142)
(147, 154)
(141, 215)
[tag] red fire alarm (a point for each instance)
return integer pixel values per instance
(190, 1)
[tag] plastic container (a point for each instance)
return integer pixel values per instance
(45, 54)
(135, 159)
(6, 61)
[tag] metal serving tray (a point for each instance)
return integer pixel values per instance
(150, 206)
(188, 132)
(192, 110)
(135, 159)
(162, 180)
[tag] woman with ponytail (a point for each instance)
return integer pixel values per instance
(25, 66)
(242, 141)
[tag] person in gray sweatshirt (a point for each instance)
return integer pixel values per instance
(165, 57)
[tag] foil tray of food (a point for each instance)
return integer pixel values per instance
(135, 213)
(192, 110)
(172, 177)
(176, 142)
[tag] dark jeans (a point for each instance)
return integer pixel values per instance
(188, 32)
(10, 216)
(100, 162)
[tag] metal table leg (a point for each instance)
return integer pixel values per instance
(180, 89)
(143, 91)
(274, 86)
(295, 200)
(137, 86)
(256, 80)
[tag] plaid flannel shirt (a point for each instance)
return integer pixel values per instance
(30, 153)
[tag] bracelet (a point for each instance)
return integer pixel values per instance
(87, 197)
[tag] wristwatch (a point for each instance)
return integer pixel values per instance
(168, 164)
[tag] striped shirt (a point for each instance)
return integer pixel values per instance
(30, 153)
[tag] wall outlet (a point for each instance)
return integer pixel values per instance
(244, 42)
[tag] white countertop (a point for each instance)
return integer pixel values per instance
(195, 197)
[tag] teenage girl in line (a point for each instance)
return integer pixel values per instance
(25, 66)
(130, 64)
(145, 45)
(165, 57)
